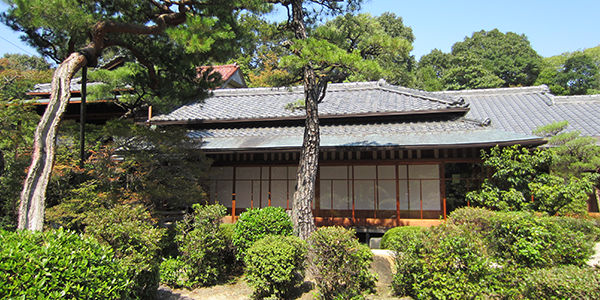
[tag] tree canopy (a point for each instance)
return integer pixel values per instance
(487, 59)
(572, 73)
(20, 72)
(380, 45)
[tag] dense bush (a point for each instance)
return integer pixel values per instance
(454, 264)
(58, 265)
(275, 265)
(534, 241)
(340, 264)
(564, 282)
(202, 248)
(531, 240)
(478, 218)
(256, 223)
(402, 236)
(136, 242)
(481, 254)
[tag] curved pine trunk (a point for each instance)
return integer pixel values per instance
(33, 196)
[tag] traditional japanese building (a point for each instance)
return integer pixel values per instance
(389, 155)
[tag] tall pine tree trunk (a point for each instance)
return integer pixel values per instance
(302, 217)
(33, 196)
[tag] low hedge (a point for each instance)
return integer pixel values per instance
(59, 265)
(564, 282)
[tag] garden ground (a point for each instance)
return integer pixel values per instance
(239, 290)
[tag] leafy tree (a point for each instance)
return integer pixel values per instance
(19, 73)
(560, 179)
(572, 73)
(165, 37)
(503, 59)
(580, 74)
(508, 55)
(431, 68)
(469, 73)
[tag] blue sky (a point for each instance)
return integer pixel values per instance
(553, 26)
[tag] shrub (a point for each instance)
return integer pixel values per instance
(564, 282)
(202, 249)
(478, 218)
(531, 240)
(58, 265)
(534, 241)
(406, 242)
(402, 236)
(172, 272)
(129, 230)
(340, 264)
(275, 265)
(256, 223)
(453, 264)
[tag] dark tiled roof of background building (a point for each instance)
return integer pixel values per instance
(360, 98)
(524, 109)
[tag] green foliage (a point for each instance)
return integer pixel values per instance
(172, 272)
(487, 59)
(534, 241)
(529, 240)
(515, 168)
(19, 74)
(454, 264)
(256, 223)
(202, 248)
(130, 231)
(556, 195)
(340, 264)
(59, 265)
(507, 55)
(382, 39)
(347, 48)
(572, 73)
(275, 265)
(573, 154)
(17, 124)
(127, 163)
(406, 242)
(402, 236)
(565, 282)
(481, 254)
(469, 73)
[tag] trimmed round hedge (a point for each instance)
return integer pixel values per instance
(256, 223)
(402, 236)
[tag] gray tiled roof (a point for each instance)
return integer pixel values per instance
(418, 134)
(75, 86)
(524, 109)
(361, 98)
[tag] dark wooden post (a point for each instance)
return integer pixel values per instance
(82, 117)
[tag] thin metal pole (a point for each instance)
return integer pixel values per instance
(82, 117)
